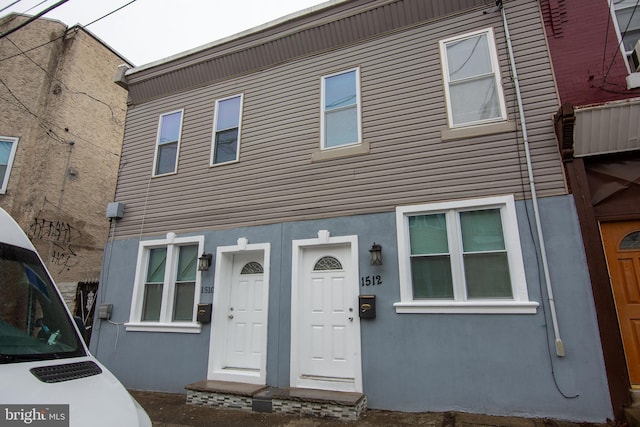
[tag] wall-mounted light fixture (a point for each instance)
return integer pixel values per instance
(204, 262)
(375, 254)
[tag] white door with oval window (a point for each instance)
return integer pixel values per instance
(239, 330)
(325, 327)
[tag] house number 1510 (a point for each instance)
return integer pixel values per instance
(371, 280)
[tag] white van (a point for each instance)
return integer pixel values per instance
(47, 375)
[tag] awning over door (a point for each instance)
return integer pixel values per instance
(609, 128)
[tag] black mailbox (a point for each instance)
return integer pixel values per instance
(367, 306)
(204, 313)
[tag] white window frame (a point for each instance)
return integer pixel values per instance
(216, 130)
(14, 146)
(616, 24)
(519, 304)
(323, 112)
(155, 154)
(165, 324)
(493, 55)
(633, 77)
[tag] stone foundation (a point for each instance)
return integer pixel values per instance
(344, 406)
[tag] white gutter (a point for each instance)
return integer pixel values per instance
(534, 197)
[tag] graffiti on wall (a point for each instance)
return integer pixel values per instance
(61, 234)
(58, 231)
(63, 257)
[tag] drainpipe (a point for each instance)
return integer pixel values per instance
(534, 197)
(64, 184)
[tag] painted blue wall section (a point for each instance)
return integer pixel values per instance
(492, 363)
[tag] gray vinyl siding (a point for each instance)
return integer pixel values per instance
(403, 112)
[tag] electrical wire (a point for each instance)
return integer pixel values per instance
(113, 114)
(615, 55)
(606, 37)
(33, 18)
(64, 35)
(47, 126)
(538, 264)
(43, 123)
(33, 7)
(35, 47)
(536, 251)
(7, 7)
(475, 46)
(110, 13)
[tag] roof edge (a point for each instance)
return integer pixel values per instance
(250, 31)
(68, 29)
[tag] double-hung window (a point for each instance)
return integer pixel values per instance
(8, 146)
(627, 13)
(341, 109)
(165, 295)
(461, 257)
(226, 130)
(472, 82)
(168, 143)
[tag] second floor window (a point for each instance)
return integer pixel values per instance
(341, 109)
(473, 87)
(8, 147)
(168, 143)
(627, 13)
(226, 130)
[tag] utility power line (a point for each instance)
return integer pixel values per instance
(33, 18)
(7, 7)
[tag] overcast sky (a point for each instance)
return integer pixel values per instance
(149, 30)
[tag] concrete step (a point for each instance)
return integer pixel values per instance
(291, 401)
(346, 406)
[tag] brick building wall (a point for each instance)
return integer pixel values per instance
(60, 100)
(587, 61)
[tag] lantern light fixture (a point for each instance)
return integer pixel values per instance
(375, 254)
(204, 262)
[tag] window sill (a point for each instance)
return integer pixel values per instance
(467, 307)
(633, 81)
(164, 174)
(336, 153)
(184, 327)
(479, 130)
(230, 162)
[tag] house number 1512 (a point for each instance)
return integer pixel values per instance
(371, 280)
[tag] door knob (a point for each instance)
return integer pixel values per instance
(230, 316)
(350, 319)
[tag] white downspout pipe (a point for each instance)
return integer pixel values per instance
(534, 197)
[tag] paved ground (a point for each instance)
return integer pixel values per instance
(171, 410)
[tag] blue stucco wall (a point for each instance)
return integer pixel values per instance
(483, 363)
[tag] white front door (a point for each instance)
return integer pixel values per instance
(325, 322)
(239, 330)
(246, 316)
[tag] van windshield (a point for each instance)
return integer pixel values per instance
(34, 324)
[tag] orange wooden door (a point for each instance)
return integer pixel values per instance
(622, 249)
